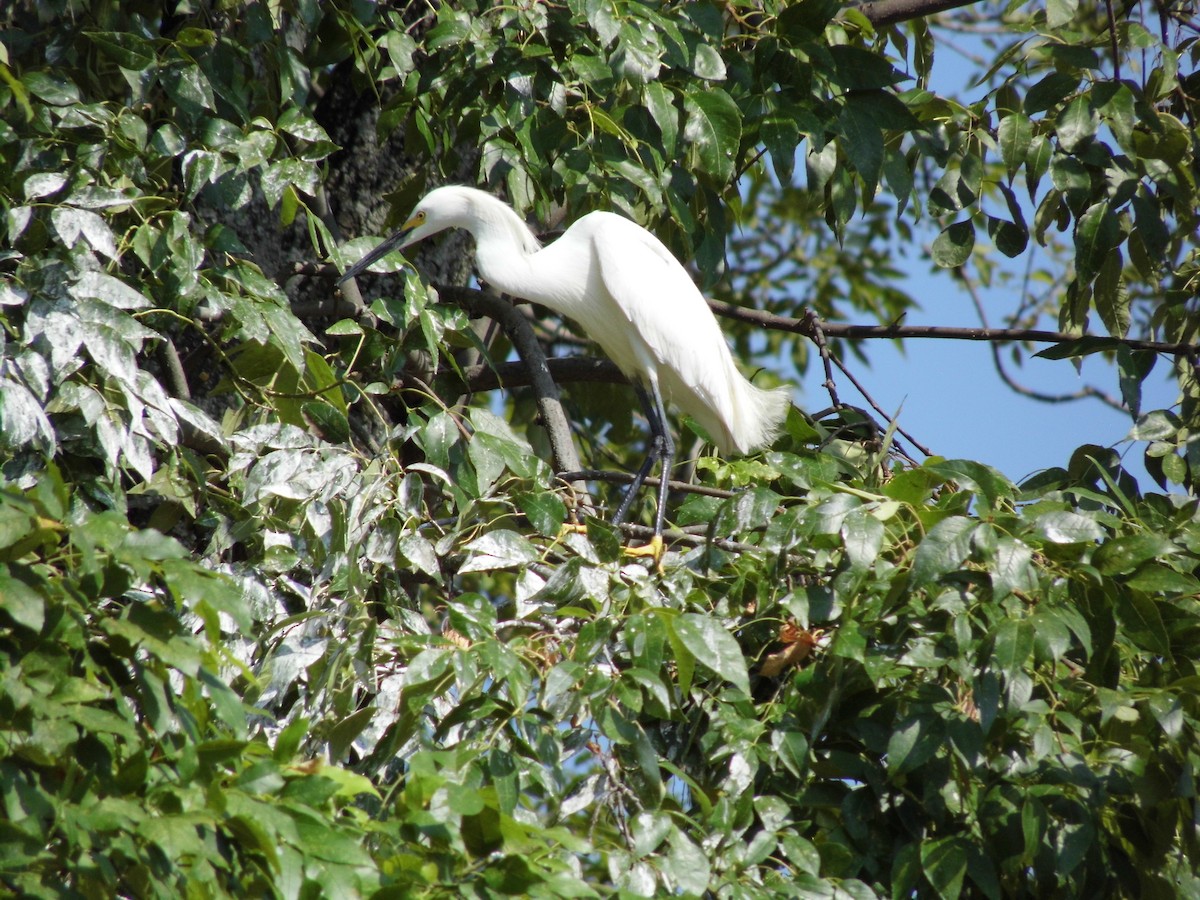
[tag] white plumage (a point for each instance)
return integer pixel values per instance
(630, 295)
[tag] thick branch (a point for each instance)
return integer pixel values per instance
(549, 406)
(889, 12)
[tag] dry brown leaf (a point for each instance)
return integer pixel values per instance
(799, 644)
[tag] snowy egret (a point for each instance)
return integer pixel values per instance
(617, 281)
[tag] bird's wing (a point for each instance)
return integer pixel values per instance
(653, 291)
(659, 299)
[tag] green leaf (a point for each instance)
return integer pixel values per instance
(73, 224)
(1122, 555)
(190, 88)
(708, 64)
(714, 128)
(640, 51)
(708, 641)
(646, 636)
(1142, 622)
(56, 89)
(1162, 580)
(1066, 527)
(473, 615)
(546, 511)
(226, 703)
(1013, 568)
(862, 536)
(912, 744)
(1133, 366)
(944, 549)
(944, 862)
(857, 69)
(1060, 13)
(1110, 297)
(984, 480)
(862, 144)
(1168, 712)
(1012, 646)
(687, 865)
(1011, 238)
(127, 50)
(1049, 92)
(1037, 162)
(344, 732)
(806, 19)
(1149, 227)
(1096, 234)
(1051, 636)
(1083, 346)
(781, 137)
(1076, 125)
(21, 603)
(792, 749)
(649, 829)
(953, 246)
(1016, 135)
(661, 104)
(499, 549)
(1157, 425)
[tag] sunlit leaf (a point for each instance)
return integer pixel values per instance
(713, 646)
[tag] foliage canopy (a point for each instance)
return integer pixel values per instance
(286, 610)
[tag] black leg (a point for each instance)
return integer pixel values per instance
(654, 452)
(666, 459)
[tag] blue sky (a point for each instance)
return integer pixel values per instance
(952, 398)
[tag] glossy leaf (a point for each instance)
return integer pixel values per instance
(953, 246)
(710, 643)
(713, 126)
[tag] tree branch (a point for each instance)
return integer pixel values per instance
(864, 332)
(517, 327)
(867, 332)
(998, 363)
(486, 377)
(889, 12)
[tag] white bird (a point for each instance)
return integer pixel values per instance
(618, 281)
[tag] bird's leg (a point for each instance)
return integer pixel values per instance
(666, 459)
(662, 448)
(653, 452)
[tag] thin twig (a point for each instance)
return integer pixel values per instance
(625, 478)
(676, 536)
(893, 331)
(1112, 38)
(813, 323)
(875, 406)
(998, 363)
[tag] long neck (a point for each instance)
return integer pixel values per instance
(504, 247)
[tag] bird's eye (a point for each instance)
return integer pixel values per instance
(420, 216)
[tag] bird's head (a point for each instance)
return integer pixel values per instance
(450, 206)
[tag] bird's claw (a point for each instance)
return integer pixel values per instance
(653, 550)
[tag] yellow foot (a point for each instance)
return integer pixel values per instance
(652, 550)
(571, 528)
